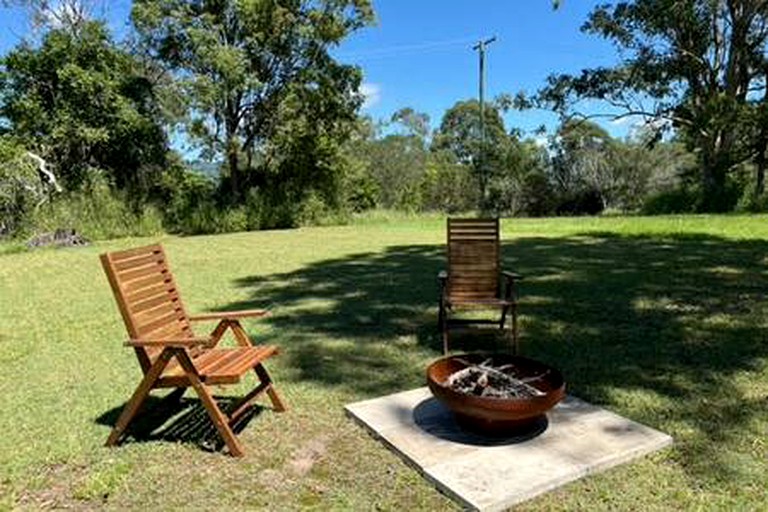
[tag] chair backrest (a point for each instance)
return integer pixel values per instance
(473, 258)
(147, 296)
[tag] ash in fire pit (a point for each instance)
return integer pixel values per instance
(504, 381)
(495, 394)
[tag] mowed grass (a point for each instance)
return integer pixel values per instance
(662, 320)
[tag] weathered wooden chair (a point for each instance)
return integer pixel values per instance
(169, 353)
(474, 277)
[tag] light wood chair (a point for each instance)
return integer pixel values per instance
(169, 353)
(474, 279)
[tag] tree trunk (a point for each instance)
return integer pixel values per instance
(760, 164)
(713, 170)
(716, 160)
(231, 124)
(234, 172)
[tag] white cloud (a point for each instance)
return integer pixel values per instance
(371, 93)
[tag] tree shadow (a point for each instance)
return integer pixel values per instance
(178, 419)
(658, 326)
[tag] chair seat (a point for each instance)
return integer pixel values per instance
(490, 302)
(223, 365)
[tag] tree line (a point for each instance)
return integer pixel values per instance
(90, 127)
(579, 169)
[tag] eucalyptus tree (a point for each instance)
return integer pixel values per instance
(264, 92)
(697, 66)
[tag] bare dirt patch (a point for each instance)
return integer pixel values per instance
(303, 459)
(56, 490)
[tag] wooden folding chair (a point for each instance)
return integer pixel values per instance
(473, 277)
(169, 353)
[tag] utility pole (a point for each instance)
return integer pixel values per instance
(480, 47)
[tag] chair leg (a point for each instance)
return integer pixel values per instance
(218, 418)
(143, 389)
(244, 340)
(442, 320)
(274, 397)
(515, 341)
(444, 330)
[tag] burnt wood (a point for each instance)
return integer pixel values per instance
(493, 416)
(474, 278)
(169, 353)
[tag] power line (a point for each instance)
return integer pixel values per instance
(395, 51)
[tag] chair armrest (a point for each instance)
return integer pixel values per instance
(511, 276)
(229, 315)
(169, 342)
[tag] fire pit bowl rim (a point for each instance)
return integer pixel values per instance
(493, 409)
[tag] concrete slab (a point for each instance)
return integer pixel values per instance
(494, 474)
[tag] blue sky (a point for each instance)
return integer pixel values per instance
(419, 53)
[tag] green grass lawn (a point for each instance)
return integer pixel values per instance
(662, 320)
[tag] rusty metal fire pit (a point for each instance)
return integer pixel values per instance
(493, 416)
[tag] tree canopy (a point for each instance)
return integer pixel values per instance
(84, 104)
(255, 71)
(696, 65)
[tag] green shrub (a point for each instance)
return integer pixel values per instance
(207, 218)
(190, 202)
(314, 211)
(678, 200)
(20, 188)
(538, 197)
(448, 186)
(98, 214)
(752, 203)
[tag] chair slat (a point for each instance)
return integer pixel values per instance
(472, 265)
(141, 284)
(172, 330)
(473, 284)
(474, 272)
(139, 261)
(157, 271)
(170, 319)
(237, 365)
(473, 258)
(153, 301)
(225, 357)
(167, 307)
(159, 289)
(118, 256)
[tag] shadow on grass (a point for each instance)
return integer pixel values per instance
(655, 326)
(180, 420)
